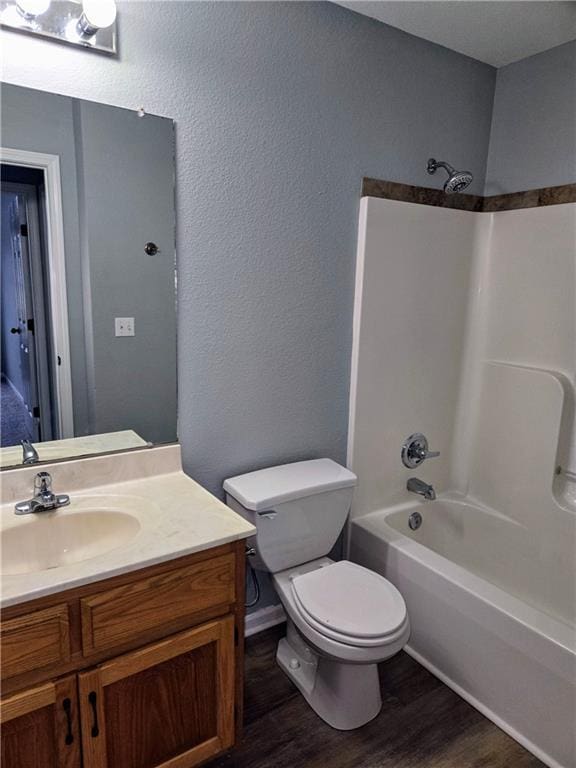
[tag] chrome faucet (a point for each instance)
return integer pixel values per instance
(44, 499)
(423, 489)
(29, 453)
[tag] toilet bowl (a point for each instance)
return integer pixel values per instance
(343, 619)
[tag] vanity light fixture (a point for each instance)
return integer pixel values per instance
(96, 14)
(86, 23)
(30, 9)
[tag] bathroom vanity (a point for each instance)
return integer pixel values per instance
(131, 657)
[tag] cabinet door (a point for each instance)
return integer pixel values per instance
(40, 727)
(168, 705)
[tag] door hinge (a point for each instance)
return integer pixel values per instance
(36, 411)
(59, 359)
(236, 638)
(30, 324)
(23, 230)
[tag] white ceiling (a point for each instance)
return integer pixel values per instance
(492, 31)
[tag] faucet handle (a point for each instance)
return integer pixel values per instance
(43, 483)
(415, 451)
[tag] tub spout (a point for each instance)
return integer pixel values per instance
(420, 487)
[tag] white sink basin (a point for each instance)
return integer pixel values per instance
(53, 539)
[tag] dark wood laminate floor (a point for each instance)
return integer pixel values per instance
(423, 724)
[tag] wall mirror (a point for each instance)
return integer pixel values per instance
(88, 318)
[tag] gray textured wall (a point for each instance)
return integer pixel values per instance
(533, 138)
(280, 110)
(126, 184)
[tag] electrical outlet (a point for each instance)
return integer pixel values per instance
(124, 326)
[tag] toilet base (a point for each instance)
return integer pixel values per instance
(346, 696)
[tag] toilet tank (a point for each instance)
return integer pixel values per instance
(298, 510)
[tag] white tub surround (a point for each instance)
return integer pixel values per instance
(465, 330)
(168, 515)
(462, 317)
(412, 277)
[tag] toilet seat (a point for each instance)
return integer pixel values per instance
(350, 604)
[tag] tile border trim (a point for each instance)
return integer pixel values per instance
(532, 198)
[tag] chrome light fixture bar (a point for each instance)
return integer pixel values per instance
(90, 24)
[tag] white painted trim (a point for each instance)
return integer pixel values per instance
(483, 709)
(354, 364)
(263, 619)
(356, 323)
(50, 165)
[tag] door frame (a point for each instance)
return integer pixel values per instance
(44, 369)
(50, 165)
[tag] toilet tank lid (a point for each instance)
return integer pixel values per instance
(265, 488)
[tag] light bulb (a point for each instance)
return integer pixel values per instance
(97, 14)
(32, 8)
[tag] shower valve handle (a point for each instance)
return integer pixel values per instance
(415, 451)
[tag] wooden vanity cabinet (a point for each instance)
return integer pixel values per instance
(40, 727)
(174, 702)
(169, 704)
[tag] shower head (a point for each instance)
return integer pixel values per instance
(457, 180)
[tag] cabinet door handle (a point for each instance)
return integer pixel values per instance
(92, 698)
(67, 706)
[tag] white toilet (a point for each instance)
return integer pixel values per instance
(342, 618)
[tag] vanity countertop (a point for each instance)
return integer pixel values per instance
(134, 510)
(52, 450)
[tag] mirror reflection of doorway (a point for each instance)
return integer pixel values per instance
(26, 388)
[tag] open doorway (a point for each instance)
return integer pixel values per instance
(28, 406)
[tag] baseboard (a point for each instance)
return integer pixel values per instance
(263, 619)
(486, 711)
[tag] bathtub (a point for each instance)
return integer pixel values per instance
(499, 630)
